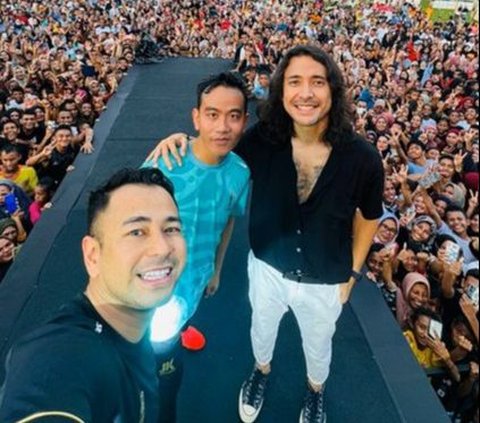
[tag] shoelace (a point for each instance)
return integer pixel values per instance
(314, 405)
(255, 383)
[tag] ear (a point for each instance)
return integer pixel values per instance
(91, 255)
(196, 119)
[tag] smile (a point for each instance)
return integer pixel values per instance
(305, 107)
(156, 278)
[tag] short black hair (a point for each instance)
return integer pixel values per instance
(99, 198)
(5, 122)
(17, 88)
(446, 156)
(418, 143)
(10, 148)
(63, 127)
(423, 311)
(454, 208)
(474, 273)
(29, 111)
(224, 79)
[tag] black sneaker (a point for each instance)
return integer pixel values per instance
(251, 396)
(313, 410)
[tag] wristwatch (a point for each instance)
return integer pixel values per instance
(356, 275)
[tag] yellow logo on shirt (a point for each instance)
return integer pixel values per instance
(168, 367)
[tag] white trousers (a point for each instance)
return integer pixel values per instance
(315, 306)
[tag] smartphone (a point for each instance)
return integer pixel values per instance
(11, 204)
(472, 293)
(429, 179)
(435, 329)
(452, 252)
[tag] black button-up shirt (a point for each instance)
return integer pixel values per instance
(313, 238)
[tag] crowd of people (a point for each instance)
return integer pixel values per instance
(413, 86)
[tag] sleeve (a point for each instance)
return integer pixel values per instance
(372, 190)
(33, 180)
(49, 377)
(35, 212)
(240, 206)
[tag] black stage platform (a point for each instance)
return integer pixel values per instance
(374, 377)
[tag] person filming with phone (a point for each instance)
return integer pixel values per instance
(424, 339)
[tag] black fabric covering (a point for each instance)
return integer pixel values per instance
(374, 377)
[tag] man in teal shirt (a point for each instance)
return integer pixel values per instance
(211, 188)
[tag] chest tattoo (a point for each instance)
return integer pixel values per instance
(306, 179)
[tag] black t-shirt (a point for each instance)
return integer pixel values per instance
(56, 167)
(34, 137)
(79, 366)
(314, 237)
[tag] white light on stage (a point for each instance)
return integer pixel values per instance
(167, 320)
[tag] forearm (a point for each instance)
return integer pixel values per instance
(78, 139)
(452, 369)
(447, 283)
(363, 232)
(222, 247)
(406, 193)
(36, 159)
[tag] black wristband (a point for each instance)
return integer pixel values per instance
(355, 275)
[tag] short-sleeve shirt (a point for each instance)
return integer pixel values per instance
(207, 196)
(315, 237)
(77, 365)
(26, 178)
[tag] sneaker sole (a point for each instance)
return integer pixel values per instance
(247, 418)
(301, 418)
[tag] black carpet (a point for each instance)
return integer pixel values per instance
(374, 377)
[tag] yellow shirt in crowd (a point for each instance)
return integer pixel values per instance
(425, 357)
(26, 178)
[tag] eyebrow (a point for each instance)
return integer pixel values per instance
(311, 77)
(213, 109)
(145, 219)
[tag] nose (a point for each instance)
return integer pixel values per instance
(160, 245)
(306, 90)
(223, 124)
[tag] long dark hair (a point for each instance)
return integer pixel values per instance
(273, 115)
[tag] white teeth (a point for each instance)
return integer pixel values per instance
(156, 274)
(305, 107)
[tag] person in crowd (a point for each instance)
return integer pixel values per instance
(56, 159)
(98, 343)
(23, 176)
(414, 293)
(12, 228)
(378, 269)
(426, 346)
(7, 254)
(42, 195)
